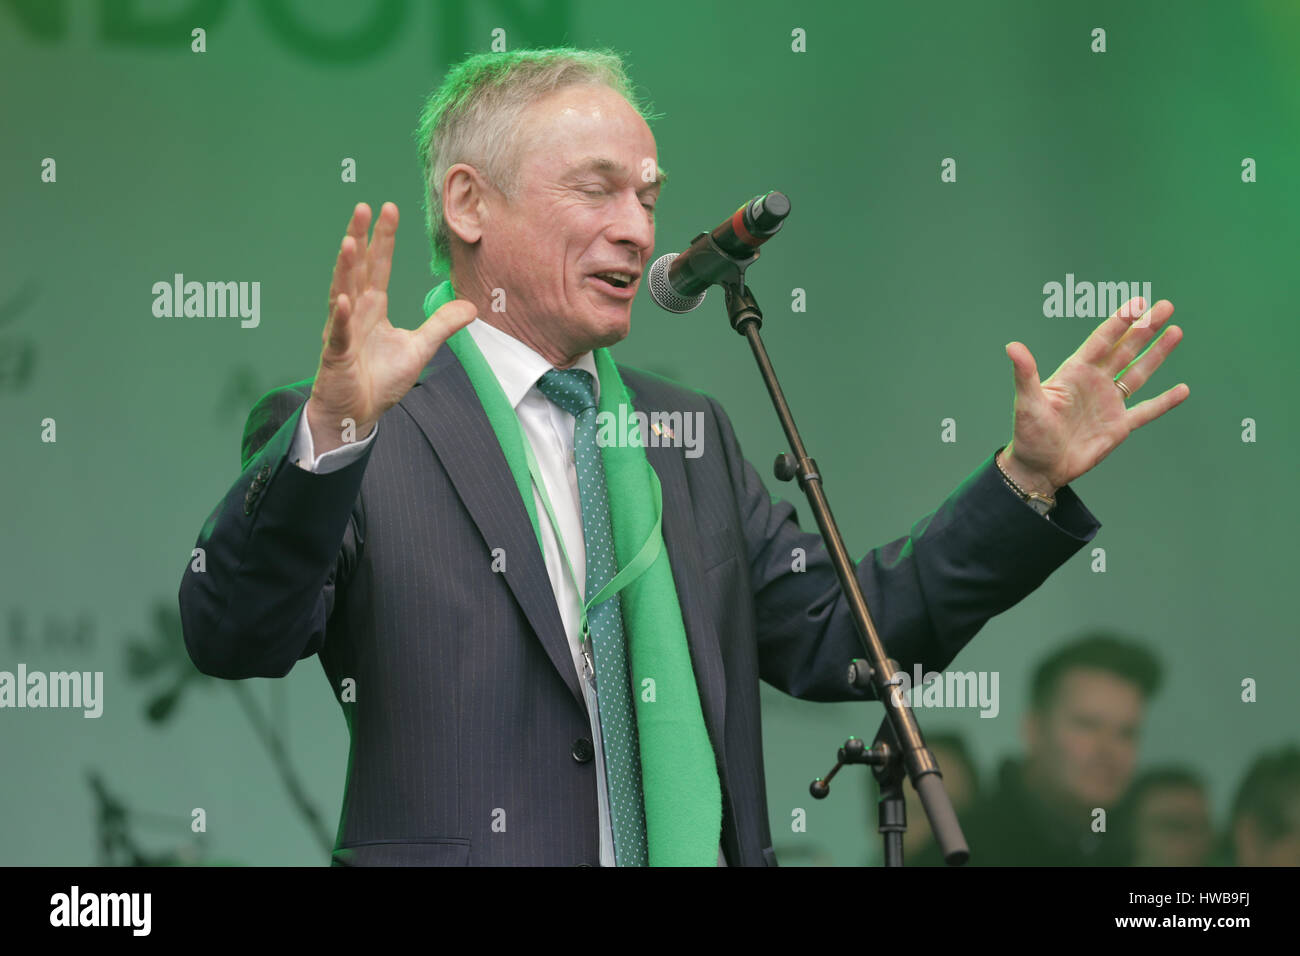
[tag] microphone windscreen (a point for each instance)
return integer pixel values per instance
(665, 296)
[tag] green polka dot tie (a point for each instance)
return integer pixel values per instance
(572, 389)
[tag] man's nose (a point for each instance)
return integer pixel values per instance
(632, 223)
(1117, 752)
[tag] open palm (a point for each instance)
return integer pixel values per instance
(367, 364)
(1067, 424)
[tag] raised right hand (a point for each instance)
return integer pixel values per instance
(367, 365)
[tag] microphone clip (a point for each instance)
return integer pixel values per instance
(710, 264)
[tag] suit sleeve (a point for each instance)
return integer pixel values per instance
(278, 549)
(929, 591)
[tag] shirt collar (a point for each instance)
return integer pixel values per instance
(516, 366)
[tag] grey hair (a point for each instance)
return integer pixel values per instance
(475, 115)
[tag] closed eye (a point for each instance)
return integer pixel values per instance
(598, 191)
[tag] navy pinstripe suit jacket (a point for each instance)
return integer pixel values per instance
(466, 701)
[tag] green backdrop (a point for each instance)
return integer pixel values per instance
(225, 165)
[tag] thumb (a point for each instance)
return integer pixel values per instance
(446, 322)
(1024, 368)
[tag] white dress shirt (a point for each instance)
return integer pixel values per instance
(549, 429)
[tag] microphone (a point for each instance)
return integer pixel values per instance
(679, 281)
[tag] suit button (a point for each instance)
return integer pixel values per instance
(249, 498)
(263, 474)
(582, 750)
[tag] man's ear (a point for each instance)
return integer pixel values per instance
(463, 201)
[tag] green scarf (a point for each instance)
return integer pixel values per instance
(679, 773)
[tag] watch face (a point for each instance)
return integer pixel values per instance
(1039, 505)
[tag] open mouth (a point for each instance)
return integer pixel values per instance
(614, 281)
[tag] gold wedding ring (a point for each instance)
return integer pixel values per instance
(1123, 388)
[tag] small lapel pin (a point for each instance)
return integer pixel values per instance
(661, 430)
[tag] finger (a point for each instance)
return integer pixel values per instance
(1098, 345)
(339, 282)
(354, 242)
(359, 230)
(446, 322)
(380, 252)
(1136, 373)
(1024, 369)
(1153, 408)
(1139, 334)
(338, 331)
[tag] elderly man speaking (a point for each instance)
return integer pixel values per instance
(547, 646)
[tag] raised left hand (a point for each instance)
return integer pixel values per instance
(1066, 425)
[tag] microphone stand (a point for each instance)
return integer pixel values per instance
(898, 747)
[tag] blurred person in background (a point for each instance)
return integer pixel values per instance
(1087, 703)
(1265, 824)
(1169, 815)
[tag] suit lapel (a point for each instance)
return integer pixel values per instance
(682, 545)
(446, 408)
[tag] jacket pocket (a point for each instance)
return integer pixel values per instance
(716, 547)
(438, 851)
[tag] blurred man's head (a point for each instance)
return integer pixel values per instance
(1086, 708)
(1266, 812)
(542, 173)
(1170, 819)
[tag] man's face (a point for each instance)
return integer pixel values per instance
(1085, 746)
(583, 205)
(1255, 847)
(1173, 828)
